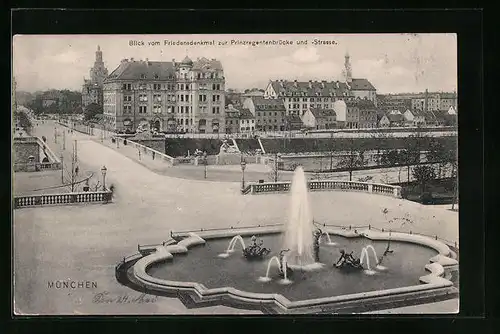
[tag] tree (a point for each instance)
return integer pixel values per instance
(423, 174)
(437, 153)
(394, 158)
(354, 158)
(91, 110)
(24, 121)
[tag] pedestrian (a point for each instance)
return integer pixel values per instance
(139, 151)
(153, 155)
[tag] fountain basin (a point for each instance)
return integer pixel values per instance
(200, 277)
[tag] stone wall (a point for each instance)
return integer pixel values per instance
(22, 151)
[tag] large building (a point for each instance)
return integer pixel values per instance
(185, 96)
(92, 90)
(299, 96)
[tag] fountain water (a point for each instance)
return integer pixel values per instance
(266, 278)
(366, 255)
(232, 243)
(329, 239)
(271, 260)
(298, 236)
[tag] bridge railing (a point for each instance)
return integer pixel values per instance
(62, 199)
(321, 185)
(147, 150)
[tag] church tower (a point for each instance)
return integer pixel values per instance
(98, 73)
(347, 69)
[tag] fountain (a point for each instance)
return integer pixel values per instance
(234, 280)
(232, 243)
(365, 255)
(299, 228)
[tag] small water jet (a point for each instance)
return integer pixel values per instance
(232, 243)
(330, 243)
(278, 262)
(365, 255)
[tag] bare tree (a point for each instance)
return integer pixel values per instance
(353, 159)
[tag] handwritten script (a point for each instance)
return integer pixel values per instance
(106, 297)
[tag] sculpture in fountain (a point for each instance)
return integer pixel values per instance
(252, 252)
(255, 250)
(347, 260)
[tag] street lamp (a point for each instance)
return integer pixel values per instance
(243, 166)
(205, 162)
(103, 171)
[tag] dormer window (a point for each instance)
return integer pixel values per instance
(156, 76)
(143, 76)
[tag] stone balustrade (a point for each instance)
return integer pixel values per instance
(62, 199)
(325, 185)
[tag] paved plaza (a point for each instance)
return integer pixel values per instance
(85, 242)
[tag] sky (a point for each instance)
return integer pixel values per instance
(393, 63)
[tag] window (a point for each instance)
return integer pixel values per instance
(127, 87)
(157, 98)
(157, 109)
(143, 109)
(156, 86)
(127, 109)
(182, 109)
(182, 98)
(143, 98)
(213, 98)
(182, 87)
(218, 98)
(213, 110)
(143, 76)
(127, 98)
(187, 98)
(258, 114)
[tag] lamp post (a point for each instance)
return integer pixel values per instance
(103, 171)
(243, 164)
(62, 169)
(205, 162)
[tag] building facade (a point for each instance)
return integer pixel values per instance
(247, 121)
(320, 119)
(298, 97)
(185, 96)
(92, 90)
(269, 114)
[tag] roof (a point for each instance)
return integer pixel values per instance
(261, 103)
(429, 115)
(321, 113)
(146, 70)
(205, 64)
(187, 61)
(292, 118)
(158, 70)
(361, 84)
(448, 95)
(310, 88)
(246, 114)
(395, 117)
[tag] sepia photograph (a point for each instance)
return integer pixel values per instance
(245, 174)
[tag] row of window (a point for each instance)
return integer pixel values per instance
(157, 86)
(236, 122)
(171, 98)
(270, 113)
(180, 109)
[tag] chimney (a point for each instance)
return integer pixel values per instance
(173, 61)
(337, 85)
(310, 83)
(295, 83)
